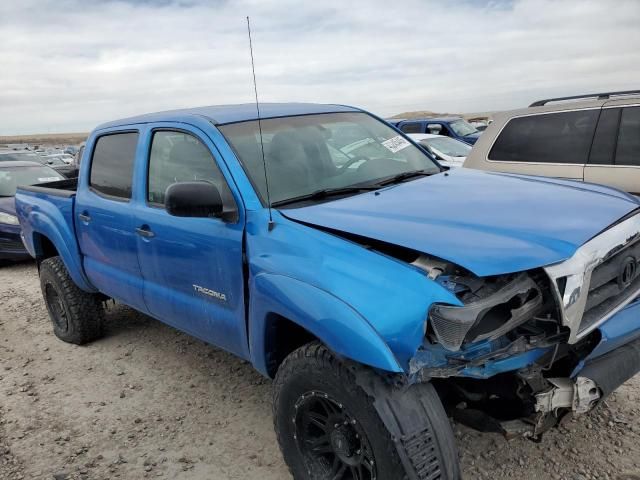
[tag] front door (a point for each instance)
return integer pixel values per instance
(192, 267)
(104, 221)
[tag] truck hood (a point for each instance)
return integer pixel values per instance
(490, 223)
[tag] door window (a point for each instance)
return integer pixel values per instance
(181, 157)
(628, 148)
(112, 164)
(563, 137)
(413, 127)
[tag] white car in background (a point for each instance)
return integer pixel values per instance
(448, 151)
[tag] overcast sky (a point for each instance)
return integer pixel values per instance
(67, 65)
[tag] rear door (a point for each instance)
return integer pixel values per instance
(615, 155)
(104, 221)
(552, 144)
(192, 267)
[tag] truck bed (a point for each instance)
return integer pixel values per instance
(46, 215)
(59, 188)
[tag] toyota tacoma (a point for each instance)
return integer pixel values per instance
(382, 294)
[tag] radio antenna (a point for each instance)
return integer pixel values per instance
(264, 161)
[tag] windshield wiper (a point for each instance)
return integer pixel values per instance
(325, 193)
(405, 176)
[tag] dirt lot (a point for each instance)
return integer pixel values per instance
(148, 401)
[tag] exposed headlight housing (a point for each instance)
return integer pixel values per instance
(514, 301)
(8, 219)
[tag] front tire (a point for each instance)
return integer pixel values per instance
(77, 316)
(328, 427)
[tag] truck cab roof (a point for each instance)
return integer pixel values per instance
(222, 114)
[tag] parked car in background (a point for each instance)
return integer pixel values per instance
(448, 151)
(394, 121)
(68, 159)
(454, 127)
(594, 138)
(71, 150)
(479, 125)
(371, 290)
(77, 158)
(12, 175)
(52, 161)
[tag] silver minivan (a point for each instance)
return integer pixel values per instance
(594, 138)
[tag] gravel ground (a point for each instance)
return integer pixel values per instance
(148, 401)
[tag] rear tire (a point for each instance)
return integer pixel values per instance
(328, 427)
(77, 316)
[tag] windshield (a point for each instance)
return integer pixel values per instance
(448, 146)
(308, 153)
(12, 178)
(462, 128)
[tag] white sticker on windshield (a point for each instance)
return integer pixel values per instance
(396, 144)
(48, 179)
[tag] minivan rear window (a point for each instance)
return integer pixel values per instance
(562, 137)
(628, 151)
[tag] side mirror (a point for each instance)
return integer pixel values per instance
(434, 128)
(193, 199)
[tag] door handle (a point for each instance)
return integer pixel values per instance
(85, 217)
(144, 231)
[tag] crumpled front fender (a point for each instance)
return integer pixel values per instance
(327, 317)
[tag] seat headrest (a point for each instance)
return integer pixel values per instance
(184, 150)
(286, 146)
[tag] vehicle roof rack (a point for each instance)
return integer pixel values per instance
(599, 96)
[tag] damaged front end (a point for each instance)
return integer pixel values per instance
(524, 349)
(501, 360)
(499, 317)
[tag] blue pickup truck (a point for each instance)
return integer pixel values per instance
(380, 292)
(454, 127)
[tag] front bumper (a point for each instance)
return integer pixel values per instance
(614, 360)
(11, 246)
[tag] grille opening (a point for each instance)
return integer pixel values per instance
(613, 282)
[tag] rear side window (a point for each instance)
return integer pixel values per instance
(112, 164)
(628, 149)
(414, 127)
(563, 137)
(604, 142)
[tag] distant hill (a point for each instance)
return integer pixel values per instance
(424, 113)
(46, 139)
(428, 113)
(76, 138)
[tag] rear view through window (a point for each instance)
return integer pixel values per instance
(112, 164)
(563, 137)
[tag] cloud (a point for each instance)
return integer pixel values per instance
(68, 65)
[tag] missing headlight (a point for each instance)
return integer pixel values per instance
(509, 302)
